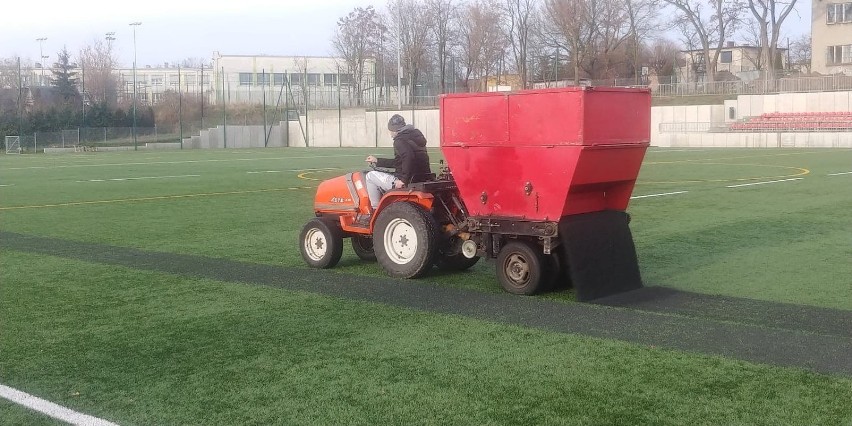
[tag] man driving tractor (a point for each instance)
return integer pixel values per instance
(410, 162)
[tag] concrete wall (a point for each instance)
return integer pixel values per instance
(360, 128)
(754, 105)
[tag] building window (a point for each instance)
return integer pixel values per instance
(263, 79)
(245, 79)
(156, 80)
(345, 79)
(837, 13)
(189, 80)
(837, 55)
(314, 79)
(156, 97)
(727, 57)
(296, 78)
(279, 79)
(330, 79)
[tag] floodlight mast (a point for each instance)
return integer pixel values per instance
(41, 57)
(134, 25)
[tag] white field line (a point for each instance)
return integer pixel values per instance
(838, 174)
(144, 163)
(293, 170)
(762, 183)
(636, 197)
(8, 184)
(53, 410)
(137, 178)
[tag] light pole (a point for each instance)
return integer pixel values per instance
(41, 56)
(134, 25)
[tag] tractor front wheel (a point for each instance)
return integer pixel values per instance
(406, 239)
(321, 243)
(520, 268)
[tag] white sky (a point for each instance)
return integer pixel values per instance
(174, 30)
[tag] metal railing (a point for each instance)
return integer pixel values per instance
(756, 87)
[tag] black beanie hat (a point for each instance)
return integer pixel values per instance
(395, 123)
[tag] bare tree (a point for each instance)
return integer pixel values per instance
(571, 25)
(707, 23)
(10, 76)
(769, 15)
(444, 33)
(98, 62)
(357, 39)
(662, 56)
(800, 53)
(194, 62)
(480, 37)
(521, 16)
(643, 18)
(412, 25)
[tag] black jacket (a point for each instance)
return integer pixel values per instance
(411, 161)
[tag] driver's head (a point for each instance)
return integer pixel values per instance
(395, 123)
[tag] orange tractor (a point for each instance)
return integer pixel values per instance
(538, 180)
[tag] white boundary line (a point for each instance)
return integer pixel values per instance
(137, 178)
(53, 410)
(838, 174)
(293, 170)
(657, 195)
(218, 160)
(762, 183)
(7, 184)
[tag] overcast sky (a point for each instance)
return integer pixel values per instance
(173, 30)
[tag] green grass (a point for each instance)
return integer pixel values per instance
(140, 347)
(147, 348)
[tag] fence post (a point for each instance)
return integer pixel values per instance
(35, 142)
(105, 135)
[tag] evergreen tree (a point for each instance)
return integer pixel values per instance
(64, 77)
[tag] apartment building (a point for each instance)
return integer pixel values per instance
(743, 61)
(831, 37)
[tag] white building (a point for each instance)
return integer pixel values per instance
(831, 37)
(743, 61)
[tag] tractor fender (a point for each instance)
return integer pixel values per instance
(424, 199)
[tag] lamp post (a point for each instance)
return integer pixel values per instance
(134, 25)
(41, 56)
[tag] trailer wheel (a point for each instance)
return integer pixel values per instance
(363, 247)
(457, 262)
(321, 243)
(405, 238)
(520, 268)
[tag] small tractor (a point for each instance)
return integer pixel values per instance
(538, 180)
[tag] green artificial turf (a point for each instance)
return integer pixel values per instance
(146, 348)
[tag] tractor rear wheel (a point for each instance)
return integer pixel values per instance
(406, 239)
(363, 247)
(520, 268)
(321, 243)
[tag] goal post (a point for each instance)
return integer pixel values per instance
(13, 144)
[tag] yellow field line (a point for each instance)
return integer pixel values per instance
(801, 172)
(161, 197)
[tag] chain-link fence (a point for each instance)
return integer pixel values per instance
(89, 138)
